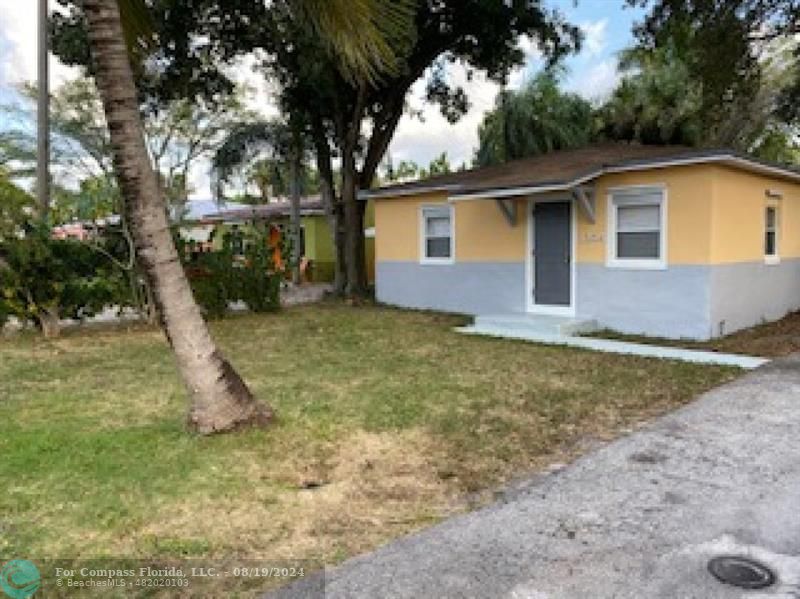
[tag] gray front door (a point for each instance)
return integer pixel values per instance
(552, 249)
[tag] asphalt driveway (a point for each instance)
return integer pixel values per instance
(637, 518)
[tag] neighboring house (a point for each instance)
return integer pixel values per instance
(316, 241)
(84, 230)
(196, 226)
(660, 241)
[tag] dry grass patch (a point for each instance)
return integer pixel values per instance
(770, 340)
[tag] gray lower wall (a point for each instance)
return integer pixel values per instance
(747, 294)
(464, 287)
(662, 303)
(683, 301)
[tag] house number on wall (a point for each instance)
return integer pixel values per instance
(592, 237)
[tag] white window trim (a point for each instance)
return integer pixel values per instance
(772, 259)
(611, 236)
(423, 258)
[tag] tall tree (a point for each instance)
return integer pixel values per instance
(725, 48)
(220, 400)
(185, 132)
(286, 143)
(355, 120)
(537, 119)
(178, 133)
(664, 99)
(191, 42)
(656, 102)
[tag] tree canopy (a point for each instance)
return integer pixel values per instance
(536, 119)
(712, 73)
(15, 206)
(356, 120)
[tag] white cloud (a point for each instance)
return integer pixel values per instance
(418, 140)
(597, 81)
(260, 94)
(533, 60)
(18, 47)
(421, 140)
(18, 64)
(594, 33)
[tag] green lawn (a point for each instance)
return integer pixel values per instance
(392, 419)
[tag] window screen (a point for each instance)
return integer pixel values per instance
(771, 232)
(438, 232)
(639, 230)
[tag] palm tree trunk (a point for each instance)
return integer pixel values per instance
(220, 400)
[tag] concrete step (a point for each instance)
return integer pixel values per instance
(534, 323)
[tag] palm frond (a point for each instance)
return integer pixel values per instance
(243, 143)
(370, 37)
(137, 24)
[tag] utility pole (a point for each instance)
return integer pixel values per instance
(504, 112)
(43, 119)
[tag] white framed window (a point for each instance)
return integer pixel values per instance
(436, 235)
(637, 227)
(771, 237)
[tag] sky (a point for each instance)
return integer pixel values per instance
(592, 73)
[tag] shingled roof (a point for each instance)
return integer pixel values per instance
(309, 206)
(568, 167)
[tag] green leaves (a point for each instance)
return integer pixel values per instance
(369, 37)
(15, 204)
(138, 25)
(244, 143)
(712, 74)
(243, 270)
(537, 119)
(268, 148)
(41, 275)
(658, 102)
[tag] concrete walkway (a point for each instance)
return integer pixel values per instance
(307, 293)
(621, 347)
(638, 518)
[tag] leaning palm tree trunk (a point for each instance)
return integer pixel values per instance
(220, 400)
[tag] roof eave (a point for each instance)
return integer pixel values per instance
(397, 193)
(722, 158)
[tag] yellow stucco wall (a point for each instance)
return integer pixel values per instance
(715, 215)
(689, 199)
(482, 233)
(740, 201)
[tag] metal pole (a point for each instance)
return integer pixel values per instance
(43, 119)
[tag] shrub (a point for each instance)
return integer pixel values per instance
(221, 277)
(43, 280)
(210, 279)
(260, 284)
